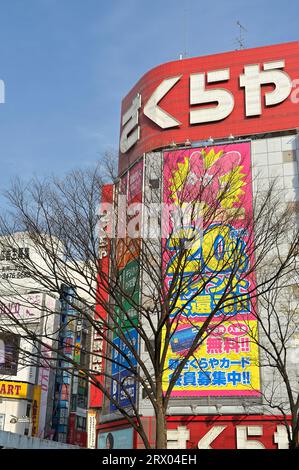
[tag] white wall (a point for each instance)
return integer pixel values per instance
(13, 407)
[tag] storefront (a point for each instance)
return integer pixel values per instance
(202, 432)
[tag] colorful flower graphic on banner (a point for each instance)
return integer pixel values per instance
(216, 265)
(206, 173)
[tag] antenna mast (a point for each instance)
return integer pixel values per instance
(185, 32)
(240, 39)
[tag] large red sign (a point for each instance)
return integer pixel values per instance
(237, 93)
(227, 432)
(214, 432)
(98, 345)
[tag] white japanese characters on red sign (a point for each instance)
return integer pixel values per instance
(253, 78)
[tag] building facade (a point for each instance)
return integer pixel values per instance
(41, 394)
(26, 393)
(240, 109)
(71, 388)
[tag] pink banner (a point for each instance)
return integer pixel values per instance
(208, 203)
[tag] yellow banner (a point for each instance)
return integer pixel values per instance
(35, 409)
(9, 389)
(225, 364)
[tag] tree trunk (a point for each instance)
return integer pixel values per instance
(161, 432)
(293, 444)
(161, 426)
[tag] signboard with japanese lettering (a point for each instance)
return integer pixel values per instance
(129, 280)
(27, 307)
(13, 263)
(19, 257)
(227, 432)
(123, 384)
(98, 346)
(35, 409)
(226, 362)
(244, 92)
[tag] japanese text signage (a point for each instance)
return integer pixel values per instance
(226, 362)
(23, 307)
(123, 385)
(98, 345)
(240, 93)
(13, 263)
(230, 432)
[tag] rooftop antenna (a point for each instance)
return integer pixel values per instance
(185, 32)
(240, 39)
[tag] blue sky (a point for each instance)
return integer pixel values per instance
(67, 64)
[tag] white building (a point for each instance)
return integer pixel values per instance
(26, 381)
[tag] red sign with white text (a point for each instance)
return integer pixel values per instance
(98, 345)
(236, 93)
(227, 432)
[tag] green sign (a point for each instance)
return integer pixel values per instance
(126, 305)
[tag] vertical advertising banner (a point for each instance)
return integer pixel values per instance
(46, 374)
(98, 346)
(123, 385)
(218, 180)
(91, 429)
(35, 409)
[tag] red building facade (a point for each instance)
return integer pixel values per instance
(240, 101)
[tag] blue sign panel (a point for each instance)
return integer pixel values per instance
(123, 385)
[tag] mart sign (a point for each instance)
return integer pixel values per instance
(10, 389)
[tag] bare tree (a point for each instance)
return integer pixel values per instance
(60, 217)
(277, 318)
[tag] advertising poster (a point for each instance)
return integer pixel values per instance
(218, 180)
(98, 346)
(123, 384)
(119, 439)
(123, 387)
(129, 281)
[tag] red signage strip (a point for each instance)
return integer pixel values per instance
(98, 346)
(237, 93)
(227, 432)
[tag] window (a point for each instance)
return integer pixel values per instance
(28, 409)
(73, 402)
(81, 423)
(2, 421)
(82, 401)
(9, 353)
